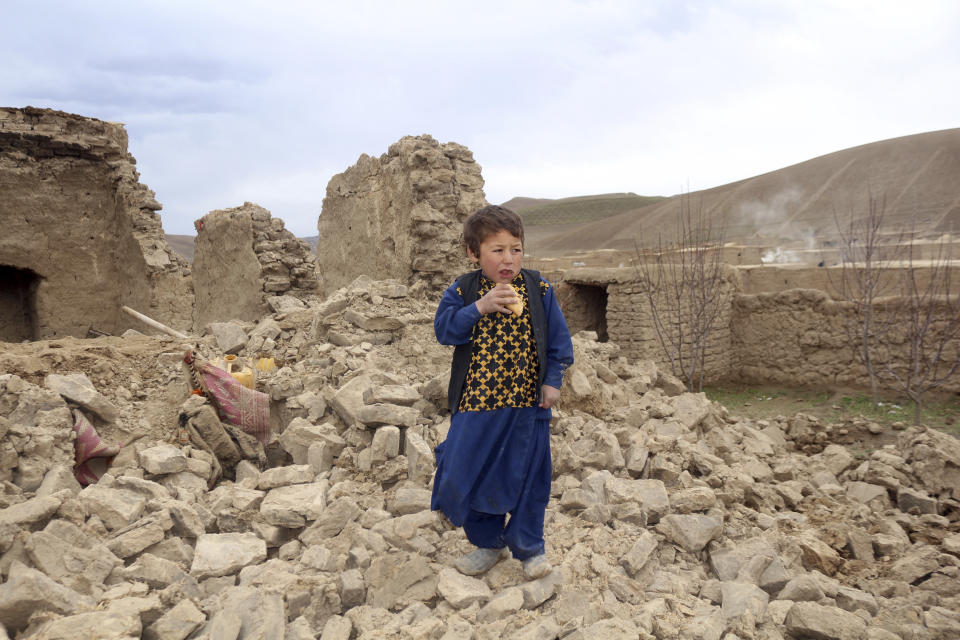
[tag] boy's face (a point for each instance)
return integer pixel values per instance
(501, 256)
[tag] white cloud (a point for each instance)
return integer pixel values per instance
(226, 102)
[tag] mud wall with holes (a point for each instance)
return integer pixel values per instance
(400, 216)
(802, 337)
(615, 304)
(80, 235)
(798, 337)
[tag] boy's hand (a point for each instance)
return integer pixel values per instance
(496, 299)
(548, 396)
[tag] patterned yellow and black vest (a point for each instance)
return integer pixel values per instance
(503, 369)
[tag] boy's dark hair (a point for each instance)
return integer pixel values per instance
(487, 221)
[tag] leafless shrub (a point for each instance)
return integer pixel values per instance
(861, 282)
(928, 326)
(684, 285)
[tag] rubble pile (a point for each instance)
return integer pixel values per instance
(669, 517)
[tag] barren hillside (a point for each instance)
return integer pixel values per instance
(914, 174)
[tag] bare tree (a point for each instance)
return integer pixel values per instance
(863, 279)
(683, 280)
(929, 325)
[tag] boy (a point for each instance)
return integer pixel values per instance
(506, 374)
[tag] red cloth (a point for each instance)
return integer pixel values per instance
(86, 448)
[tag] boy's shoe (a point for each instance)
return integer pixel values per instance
(480, 560)
(536, 567)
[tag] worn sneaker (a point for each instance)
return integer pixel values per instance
(536, 567)
(480, 560)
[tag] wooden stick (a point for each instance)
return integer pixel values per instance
(153, 323)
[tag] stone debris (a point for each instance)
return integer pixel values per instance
(669, 517)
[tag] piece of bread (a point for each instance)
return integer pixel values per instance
(517, 307)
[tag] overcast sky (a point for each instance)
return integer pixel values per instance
(265, 101)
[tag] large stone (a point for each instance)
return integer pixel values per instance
(461, 591)
(399, 578)
(136, 540)
(338, 514)
(802, 588)
(31, 513)
(83, 569)
(163, 459)
(609, 629)
(811, 620)
(284, 476)
(400, 394)
(943, 622)
(226, 553)
(27, 591)
(420, 462)
(187, 522)
(77, 388)
(817, 555)
(115, 507)
(386, 444)
(408, 500)
(739, 598)
(60, 477)
(850, 599)
(652, 497)
(375, 415)
(177, 623)
(230, 337)
(300, 435)
(869, 494)
(373, 321)
(504, 604)
(696, 499)
(348, 400)
(103, 625)
(154, 571)
(692, 532)
(292, 506)
(640, 553)
(909, 500)
(536, 592)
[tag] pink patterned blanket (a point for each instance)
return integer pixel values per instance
(92, 456)
(246, 408)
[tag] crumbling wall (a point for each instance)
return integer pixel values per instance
(242, 256)
(628, 320)
(400, 215)
(79, 230)
(798, 337)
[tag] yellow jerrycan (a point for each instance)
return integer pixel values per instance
(243, 374)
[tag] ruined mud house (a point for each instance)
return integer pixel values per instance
(81, 234)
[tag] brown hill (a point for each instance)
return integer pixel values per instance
(915, 174)
(520, 203)
(181, 244)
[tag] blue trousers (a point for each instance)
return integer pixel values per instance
(496, 464)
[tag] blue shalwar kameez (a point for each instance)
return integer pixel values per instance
(496, 458)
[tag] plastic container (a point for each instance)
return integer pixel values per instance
(243, 374)
(265, 365)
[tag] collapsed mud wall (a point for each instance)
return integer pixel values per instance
(800, 337)
(81, 234)
(614, 303)
(242, 256)
(400, 215)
